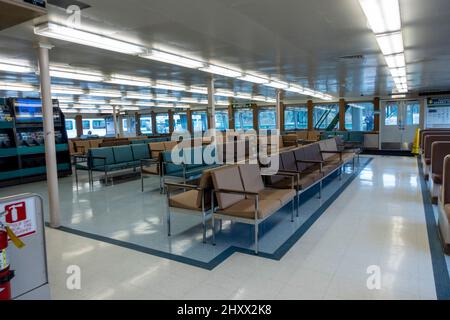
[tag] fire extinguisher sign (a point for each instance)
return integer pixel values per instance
(20, 217)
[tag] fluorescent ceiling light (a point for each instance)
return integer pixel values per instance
(9, 86)
(71, 73)
(67, 90)
(278, 84)
(173, 59)
(254, 79)
(90, 101)
(60, 32)
(166, 98)
(391, 43)
(139, 96)
(398, 96)
(169, 86)
(189, 100)
(15, 68)
(383, 15)
(105, 108)
(145, 104)
(221, 71)
(105, 93)
(198, 90)
(243, 96)
(129, 81)
(396, 61)
(224, 93)
(69, 110)
(398, 72)
(129, 108)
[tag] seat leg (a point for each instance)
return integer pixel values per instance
(293, 209)
(168, 222)
(76, 176)
(320, 189)
(256, 239)
(298, 204)
(142, 182)
(106, 178)
(213, 222)
(204, 227)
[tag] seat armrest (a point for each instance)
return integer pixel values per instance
(311, 161)
(149, 161)
(245, 193)
(336, 152)
(175, 186)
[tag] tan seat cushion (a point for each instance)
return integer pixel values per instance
(285, 196)
(305, 182)
(246, 209)
(186, 200)
(151, 170)
(169, 145)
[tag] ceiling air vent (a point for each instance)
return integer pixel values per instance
(353, 57)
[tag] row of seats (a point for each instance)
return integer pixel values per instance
(247, 194)
(109, 159)
(434, 147)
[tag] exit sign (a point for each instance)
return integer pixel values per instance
(39, 3)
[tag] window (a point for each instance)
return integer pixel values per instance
(296, 118)
(359, 116)
(86, 124)
(98, 124)
(162, 123)
(412, 113)
(326, 116)
(243, 119)
(267, 118)
(146, 125)
(69, 125)
(391, 114)
(222, 120)
(199, 121)
(180, 121)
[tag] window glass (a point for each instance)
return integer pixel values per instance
(412, 113)
(267, 118)
(296, 118)
(391, 114)
(146, 125)
(180, 121)
(162, 123)
(199, 121)
(326, 116)
(222, 120)
(359, 116)
(69, 125)
(98, 124)
(86, 125)
(243, 119)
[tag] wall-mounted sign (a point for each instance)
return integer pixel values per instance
(39, 3)
(438, 113)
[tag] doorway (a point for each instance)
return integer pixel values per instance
(399, 121)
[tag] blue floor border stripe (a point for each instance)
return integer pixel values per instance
(277, 255)
(440, 271)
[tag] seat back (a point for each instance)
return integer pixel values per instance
(426, 132)
(302, 135)
(429, 140)
(251, 177)
(168, 166)
(140, 151)
(288, 161)
(169, 145)
(156, 148)
(101, 153)
(193, 157)
(123, 154)
(311, 153)
(327, 145)
(446, 181)
(227, 178)
(439, 150)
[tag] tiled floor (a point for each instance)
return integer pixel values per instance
(378, 220)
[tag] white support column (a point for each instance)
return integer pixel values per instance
(278, 107)
(120, 124)
(211, 104)
(49, 134)
(115, 122)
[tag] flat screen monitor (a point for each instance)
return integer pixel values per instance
(28, 110)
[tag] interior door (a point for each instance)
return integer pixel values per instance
(399, 122)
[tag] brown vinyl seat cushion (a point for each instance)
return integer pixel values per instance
(246, 209)
(186, 200)
(151, 169)
(253, 182)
